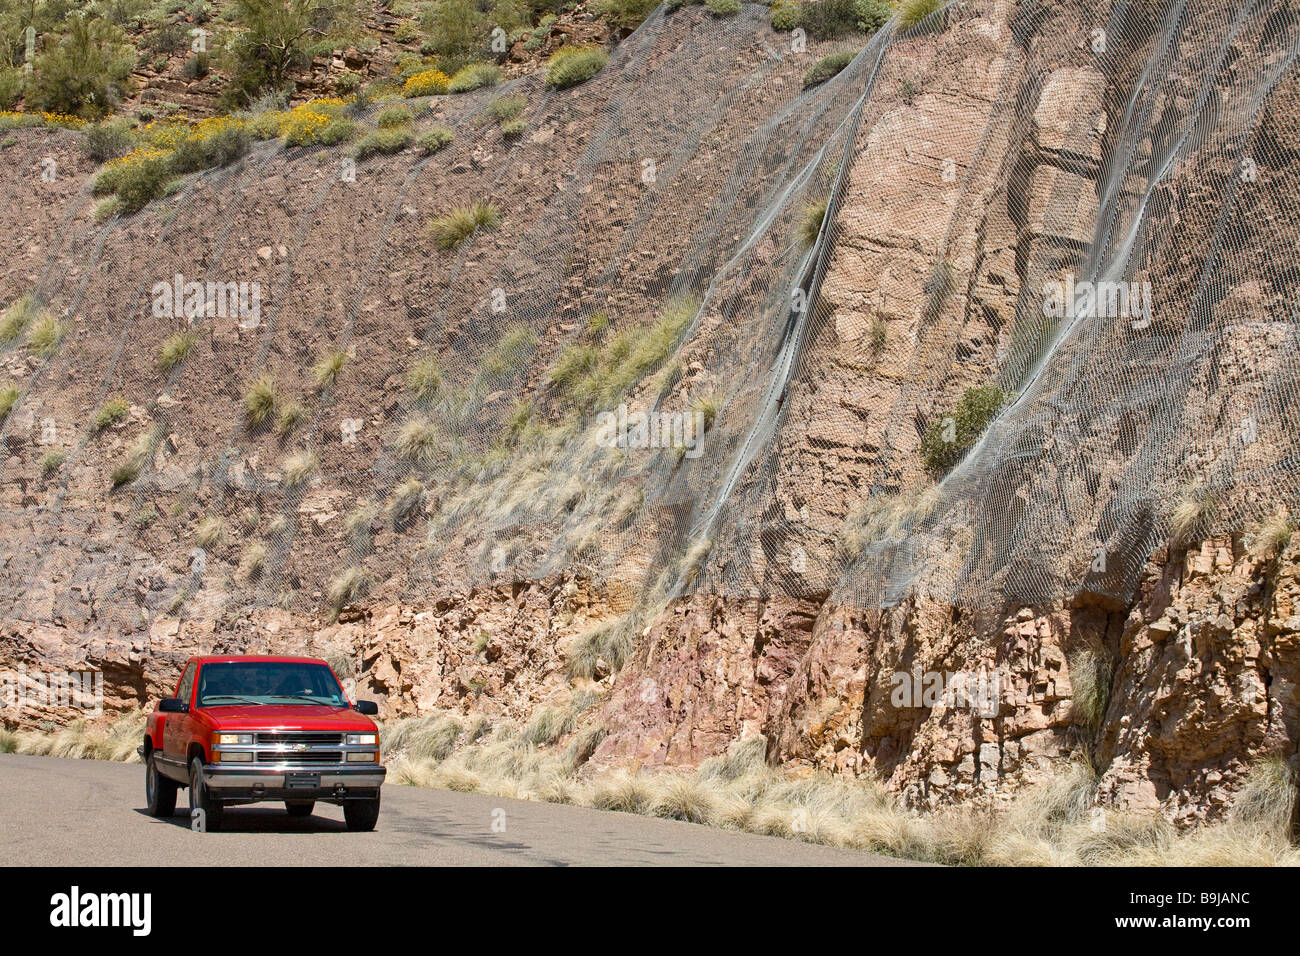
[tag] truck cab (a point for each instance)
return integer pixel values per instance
(246, 729)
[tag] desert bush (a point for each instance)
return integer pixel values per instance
(912, 12)
(44, 335)
(418, 441)
(297, 468)
(810, 222)
(424, 379)
(507, 108)
(138, 178)
(827, 67)
(454, 28)
(175, 350)
(426, 83)
(572, 65)
(210, 144)
(15, 319)
(8, 398)
(110, 413)
(210, 533)
(276, 39)
(327, 368)
(346, 588)
(253, 563)
(948, 437)
(872, 14)
(391, 117)
(723, 8)
(83, 70)
(513, 129)
(110, 139)
(52, 460)
(628, 14)
(1191, 512)
(383, 142)
(473, 77)
(456, 227)
(435, 139)
(259, 400)
(609, 641)
(1091, 672)
(406, 500)
(1272, 535)
(785, 16)
(291, 413)
(829, 19)
(319, 122)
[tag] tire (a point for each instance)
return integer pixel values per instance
(201, 798)
(159, 791)
(300, 808)
(361, 815)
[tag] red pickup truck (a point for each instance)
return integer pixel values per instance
(248, 729)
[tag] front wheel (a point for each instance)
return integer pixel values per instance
(159, 791)
(201, 798)
(361, 815)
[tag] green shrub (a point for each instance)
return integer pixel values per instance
(722, 8)
(426, 83)
(826, 67)
(17, 317)
(435, 139)
(785, 16)
(473, 77)
(8, 398)
(457, 226)
(574, 65)
(326, 370)
(109, 140)
(872, 14)
(291, 413)
(110, 413)
(391, 117)
(628, 14)
(220, 145)
(405, 32)
(454, 28)
(52, 462)
(948, 437)
(44, 336)
(829, 19)
(912, 12)
(574, 364)
(383, 142)
(507, 108)
(83, 70)
(175, 350)
(513, 129)
(11, 87)
(424, 379)
(259, 400)
(810, 223)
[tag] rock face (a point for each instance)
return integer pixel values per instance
(968, 638)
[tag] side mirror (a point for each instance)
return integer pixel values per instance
(367, 707)
(173, 705)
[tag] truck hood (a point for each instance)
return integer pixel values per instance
(288, 717)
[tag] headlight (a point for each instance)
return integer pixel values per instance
(237, 740)
(363, 740)
(233, 756)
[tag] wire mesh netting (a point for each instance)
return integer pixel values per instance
(718, 341)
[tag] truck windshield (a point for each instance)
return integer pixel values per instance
(229, 683)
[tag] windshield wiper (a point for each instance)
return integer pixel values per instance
(310, 700)
(207, 701)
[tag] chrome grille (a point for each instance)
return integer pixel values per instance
(299, 756)
(300, 737)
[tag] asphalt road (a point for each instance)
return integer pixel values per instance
(56, 812)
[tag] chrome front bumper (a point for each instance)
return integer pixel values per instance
(277, 783)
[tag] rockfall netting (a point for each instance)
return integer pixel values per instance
(1088, 212)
